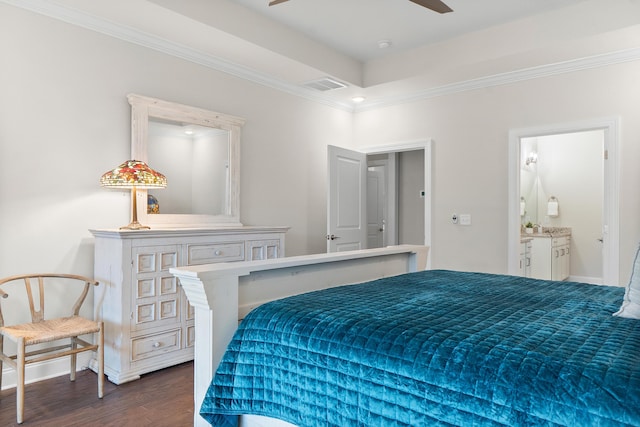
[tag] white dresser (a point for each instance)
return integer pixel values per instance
(149, 323)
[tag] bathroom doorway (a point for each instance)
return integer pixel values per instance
(574, 165)
(561, 187)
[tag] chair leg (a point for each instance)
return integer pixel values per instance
(20, 384)
(1, 352)
(74, 358)
(101, 361)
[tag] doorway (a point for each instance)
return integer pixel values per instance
(344, 216)
(544, 161)
(395, 199)
(380, 197)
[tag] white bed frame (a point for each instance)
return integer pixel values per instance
(222, 294)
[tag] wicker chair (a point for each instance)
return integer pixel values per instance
(41, 330)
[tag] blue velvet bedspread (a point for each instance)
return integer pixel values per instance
(435, 348)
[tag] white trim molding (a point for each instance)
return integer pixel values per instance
(132, 35)
(44, 370)
(570, 66)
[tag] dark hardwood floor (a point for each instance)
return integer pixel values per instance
(161, 398)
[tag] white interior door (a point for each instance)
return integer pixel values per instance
(346, 201)
(376, 204)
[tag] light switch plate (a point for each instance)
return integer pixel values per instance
(465, 219)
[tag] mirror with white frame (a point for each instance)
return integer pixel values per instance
(198, 151)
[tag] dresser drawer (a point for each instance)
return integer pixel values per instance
(216, 252)
(154, 345)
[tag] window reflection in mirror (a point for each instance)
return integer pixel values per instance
(195, 160)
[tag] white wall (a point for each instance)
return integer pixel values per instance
(470, 154)
(65, 120)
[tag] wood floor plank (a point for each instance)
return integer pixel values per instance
(161, 398)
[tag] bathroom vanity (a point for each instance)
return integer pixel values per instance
(551, 253)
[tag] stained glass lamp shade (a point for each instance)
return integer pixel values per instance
(133, 174)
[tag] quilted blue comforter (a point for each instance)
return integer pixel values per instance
(435, 348)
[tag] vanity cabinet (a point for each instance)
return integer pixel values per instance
(560, 258)
(551, 257)
(149, 323)
(525, 257)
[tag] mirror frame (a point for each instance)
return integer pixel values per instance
(142, 108)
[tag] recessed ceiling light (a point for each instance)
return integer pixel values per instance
(383, 44)
(358, 99)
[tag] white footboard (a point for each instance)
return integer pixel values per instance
(223, 293)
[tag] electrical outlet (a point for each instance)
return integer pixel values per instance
(454, 218)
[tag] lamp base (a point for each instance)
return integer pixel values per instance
(135, 225)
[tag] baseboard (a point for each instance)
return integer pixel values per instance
(584, 279)
(44, 370)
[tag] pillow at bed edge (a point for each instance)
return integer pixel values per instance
(631, 304)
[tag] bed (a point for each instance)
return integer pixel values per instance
(422, 348)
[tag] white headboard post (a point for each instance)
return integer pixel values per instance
(216, 319)
(223, 293)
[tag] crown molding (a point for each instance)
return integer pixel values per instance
(132, 35)
(141, 38)
(546, 70)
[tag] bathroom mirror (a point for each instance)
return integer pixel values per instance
(198, 151)
(529, 180)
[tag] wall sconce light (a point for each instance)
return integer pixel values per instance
(531, 158)
(133, 174)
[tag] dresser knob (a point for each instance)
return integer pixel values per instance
(218, 252)
(156, 344)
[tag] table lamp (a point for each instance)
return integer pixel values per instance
(133, 174)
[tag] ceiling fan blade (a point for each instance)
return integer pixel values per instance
(274, 2)
(435, 5)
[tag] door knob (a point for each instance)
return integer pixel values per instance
(332, 237)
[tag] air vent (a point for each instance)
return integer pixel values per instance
(324, 84)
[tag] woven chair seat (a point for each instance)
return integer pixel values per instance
(43, 330)
(50, 330)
